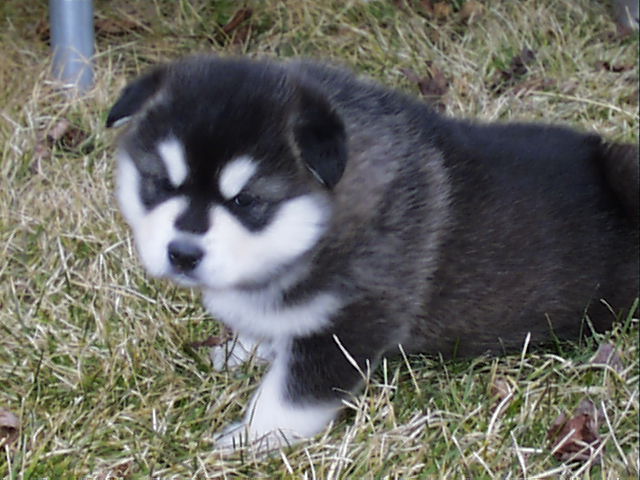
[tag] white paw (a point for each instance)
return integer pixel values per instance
(240, 435)
(272, 421)
(238, 350)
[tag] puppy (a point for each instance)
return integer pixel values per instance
(328, 220)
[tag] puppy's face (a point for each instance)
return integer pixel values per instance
(225, 172)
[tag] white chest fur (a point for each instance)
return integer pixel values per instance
(262, 315)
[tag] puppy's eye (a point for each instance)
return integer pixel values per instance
(252, 210)
(244, 200)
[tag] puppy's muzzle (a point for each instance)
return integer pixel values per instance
(184, 256)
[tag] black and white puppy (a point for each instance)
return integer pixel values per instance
(328, 220)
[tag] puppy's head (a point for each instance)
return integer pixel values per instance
(226, 169)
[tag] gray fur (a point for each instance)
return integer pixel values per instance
(448, 237)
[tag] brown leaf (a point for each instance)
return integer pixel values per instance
(533, 84)
(411, 75)
(42, 30)
(442, 10)
(433, 86)
(607, 355)
(500, 389)
(117, 27)
(518, 67)
(604, 65)
(9, 427)
(238, 18)
(213, 340)
(241, 35)
(63, 135)
(427, 7)
(122, 471)
(402, 5)
(59, 130)
(520, 63)
(576, 439)
(471, 11)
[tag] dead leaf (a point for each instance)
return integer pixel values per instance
(500, 389)
(59, 130)
(520, 63)
(532, 85)
(471, 11)
(63, 135)
(117, 27)
(427, 7)
(213, 340)
(577, 439)
(433, 86)
(607, 355)
(43, 30)
(122, 471)
(9, 427)
(604, 65)
(103, 26)
(442, 10)
(518, 68)
(241, 16)
(402, 5)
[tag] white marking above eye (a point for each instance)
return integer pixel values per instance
(235, 175)
(172, 153)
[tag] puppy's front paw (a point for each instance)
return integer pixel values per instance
(240, 435)
(273, 420)
(238, 350)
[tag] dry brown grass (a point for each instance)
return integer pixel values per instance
(92, 352)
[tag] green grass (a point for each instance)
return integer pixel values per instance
(93, 354)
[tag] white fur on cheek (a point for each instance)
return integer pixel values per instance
(152, 229)
(236, 255)
(172, 153)
(272, 420)
(154, 232)
(128, 188)
(235, 176)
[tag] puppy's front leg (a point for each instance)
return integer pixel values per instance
(302, 391)
(285, 409)
(238, 350)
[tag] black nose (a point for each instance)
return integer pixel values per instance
(184, 255)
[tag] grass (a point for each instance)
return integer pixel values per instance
(93, 354)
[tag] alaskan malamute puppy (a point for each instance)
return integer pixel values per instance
(328, 220)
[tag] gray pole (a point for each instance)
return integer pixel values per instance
(72, 42)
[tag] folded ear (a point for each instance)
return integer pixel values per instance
(319, 133)
(134, 96)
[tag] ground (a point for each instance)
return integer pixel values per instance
(98, 375)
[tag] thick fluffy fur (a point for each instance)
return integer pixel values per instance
(329, 220)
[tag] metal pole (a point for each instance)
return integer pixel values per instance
(72, 42)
